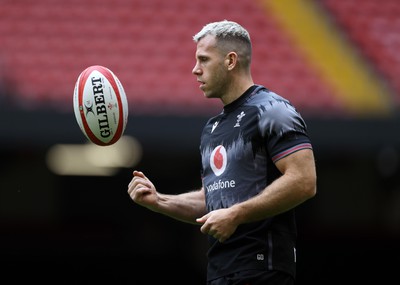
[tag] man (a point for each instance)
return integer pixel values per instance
(257, 166)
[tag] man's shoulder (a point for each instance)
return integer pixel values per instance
(266, 99)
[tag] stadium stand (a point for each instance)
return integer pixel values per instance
(374, 27)
(147, 43)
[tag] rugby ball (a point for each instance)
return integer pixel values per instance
(100, 105)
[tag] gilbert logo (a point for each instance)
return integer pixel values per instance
(89, 107)
(218, 160)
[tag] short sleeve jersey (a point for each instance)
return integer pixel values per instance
(239, 148)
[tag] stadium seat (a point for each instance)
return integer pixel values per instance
(148, 44)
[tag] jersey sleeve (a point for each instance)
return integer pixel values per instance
(283, 129)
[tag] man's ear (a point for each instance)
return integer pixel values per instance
(231, 60)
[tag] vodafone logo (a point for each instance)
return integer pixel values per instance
(218, 160)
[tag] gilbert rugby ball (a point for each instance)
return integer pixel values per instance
(100, 105)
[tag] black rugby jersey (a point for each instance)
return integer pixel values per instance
(238, 149)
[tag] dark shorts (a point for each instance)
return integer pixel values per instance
(254, 277)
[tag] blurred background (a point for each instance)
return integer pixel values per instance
(65, 215)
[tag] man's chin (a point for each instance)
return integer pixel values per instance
(209, 95)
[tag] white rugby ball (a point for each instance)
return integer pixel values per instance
(100, 105)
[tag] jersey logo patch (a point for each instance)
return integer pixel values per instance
(218, 160)
(214, 126)
(239, 118)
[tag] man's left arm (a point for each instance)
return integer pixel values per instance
(296, 185)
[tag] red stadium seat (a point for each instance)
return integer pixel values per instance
(148, 44)
(374, 26)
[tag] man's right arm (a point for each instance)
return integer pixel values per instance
(185, 207)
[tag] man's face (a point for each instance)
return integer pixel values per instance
(210, 69)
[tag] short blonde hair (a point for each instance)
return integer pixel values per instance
(230, 36)
(223, 29)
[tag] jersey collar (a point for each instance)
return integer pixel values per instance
(243, 98)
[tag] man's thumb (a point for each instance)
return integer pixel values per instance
(202, 220)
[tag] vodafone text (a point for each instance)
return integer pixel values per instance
(100, 107)
(221, 185)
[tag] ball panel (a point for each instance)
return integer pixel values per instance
(93, 83)
(81, 97)
(112, 79)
